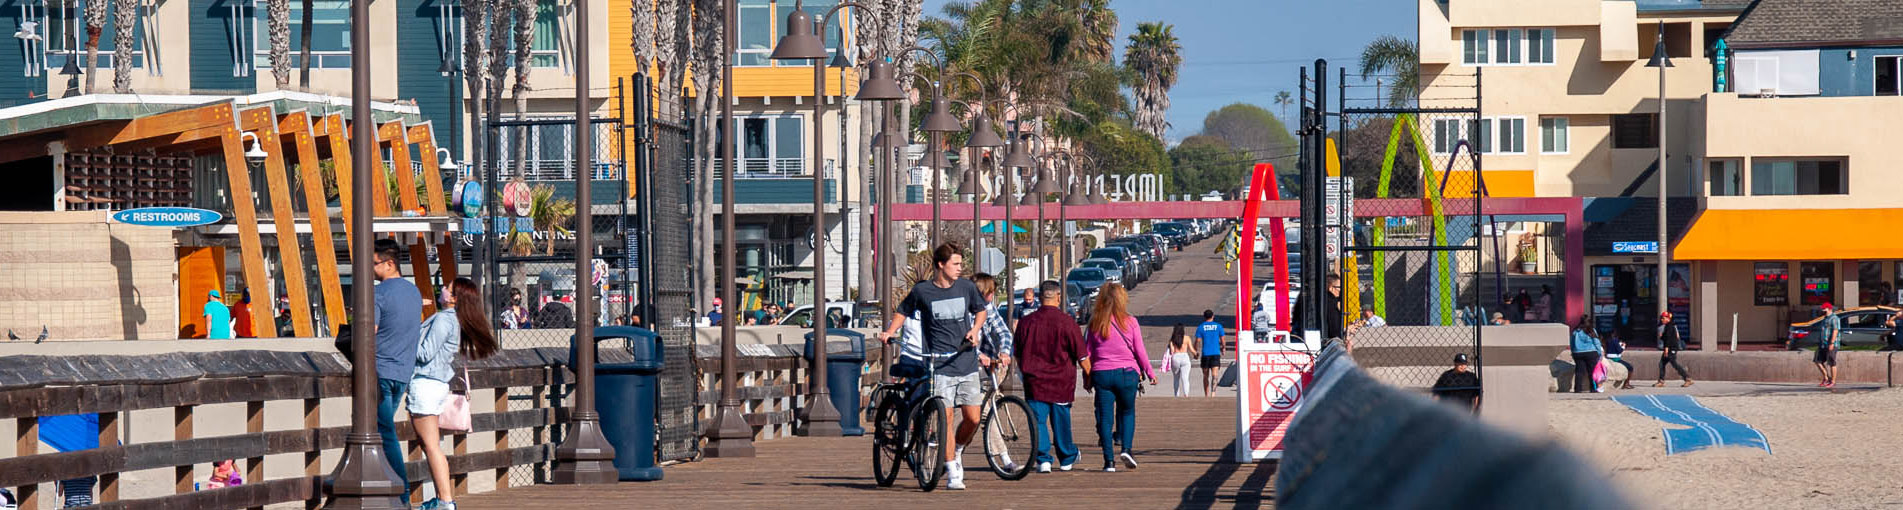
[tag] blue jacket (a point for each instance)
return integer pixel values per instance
(1582, 343)
(436, 352)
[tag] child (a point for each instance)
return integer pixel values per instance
(224, 474)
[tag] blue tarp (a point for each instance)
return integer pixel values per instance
(70, 432)
(1706, 428)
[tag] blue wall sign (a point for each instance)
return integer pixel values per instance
(167, 216)
(1635, 246)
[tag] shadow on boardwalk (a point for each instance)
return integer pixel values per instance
(1182, 444)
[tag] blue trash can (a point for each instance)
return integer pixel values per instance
(842, 377)
(626, 396)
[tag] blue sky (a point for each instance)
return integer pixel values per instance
(1247, 50)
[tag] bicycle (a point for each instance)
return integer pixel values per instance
(910, 432)
(1006, 423)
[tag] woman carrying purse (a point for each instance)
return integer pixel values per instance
(459, 325)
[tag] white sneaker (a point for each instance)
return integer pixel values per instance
(1065, 467)
(1128, 461)
(1110, 468)
(955, 476)
(1045, 467)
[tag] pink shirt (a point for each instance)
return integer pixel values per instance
(1122, 349)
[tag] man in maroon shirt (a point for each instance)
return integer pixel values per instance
(1050, 350)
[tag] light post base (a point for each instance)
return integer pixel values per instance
(730, 435)
(585, 457)
(821, 418)
(363, 479)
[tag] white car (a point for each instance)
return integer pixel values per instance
(1266, 299)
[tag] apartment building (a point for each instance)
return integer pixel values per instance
(1767, 105)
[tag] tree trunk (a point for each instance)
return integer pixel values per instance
(525, 14)
(304, 44)
(124, 20)
(475, 57)
(709, 28)
(95, 25)
(673, 22)
(641, 17)
(500, 13)
(279, 27)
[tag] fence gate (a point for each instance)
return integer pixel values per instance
(1404, 219)
(663, 158)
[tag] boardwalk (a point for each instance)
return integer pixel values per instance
(1181, 444)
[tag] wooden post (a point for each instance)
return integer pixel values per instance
(392, 133)
(26, 444)
(313, 459)
(333, 127)
(502, 438)
(108, 435)
(297, 125)
(263, 122)
(182, 430)
(245, 215)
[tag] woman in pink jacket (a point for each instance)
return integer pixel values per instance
(1118, 366)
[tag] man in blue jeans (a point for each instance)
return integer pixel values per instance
(1050, 349)
(399, 329)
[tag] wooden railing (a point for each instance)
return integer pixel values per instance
(312, 387)
(771, 383)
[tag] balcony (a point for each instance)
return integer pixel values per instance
(766, 168)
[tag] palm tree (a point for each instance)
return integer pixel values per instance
(1396, 57)
(124, 19)
(95, 25)
(709, 23)
(641, 14)
(1283, 99)
(525, 13)
(1097, 26)
(304, 43)
(278, 24)
(475, 57)
(1153, 55)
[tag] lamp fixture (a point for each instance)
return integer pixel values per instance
(940, 120)
(879, 84)
(446, 161)
(29, 31)
(981, 133)
(1019, 156)
(1659, 58)
(256, 152)
(800, 42)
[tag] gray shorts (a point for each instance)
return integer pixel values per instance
(959, 390)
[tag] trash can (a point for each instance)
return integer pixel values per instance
(842, 377)
(626, 396)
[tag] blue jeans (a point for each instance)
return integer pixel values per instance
(1058, 417)
(1116, 400)
(390, 397)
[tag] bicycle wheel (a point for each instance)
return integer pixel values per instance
(887, 451)
(928, 442)
(1010, 438)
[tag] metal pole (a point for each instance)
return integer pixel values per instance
(821, 419)
(931, 163)
(1659, 278)
(1063, 221)
(879, 257)
(363, 478)
(1037, 234)
(971, 174)
(644, 202)
(730, 436)
(585, 455)
(1010, 271)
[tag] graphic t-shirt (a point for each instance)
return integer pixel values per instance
(1211, 334)
(947, 314)
(217, 321)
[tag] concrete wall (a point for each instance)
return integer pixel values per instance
(82, 277)
(1859, 129)
(1514, 364)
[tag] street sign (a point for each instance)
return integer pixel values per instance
(167, 216)
(1635, 246)
(1272, 382)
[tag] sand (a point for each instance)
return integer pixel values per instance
(1830, 451)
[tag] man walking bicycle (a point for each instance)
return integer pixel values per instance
(1049, 350)
(952, 312)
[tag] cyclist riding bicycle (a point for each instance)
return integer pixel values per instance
(950, 312)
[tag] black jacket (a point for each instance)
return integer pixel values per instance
(1331, 315)
(1669, 339)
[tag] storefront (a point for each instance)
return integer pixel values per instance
(1625, 300)
(1789, 277)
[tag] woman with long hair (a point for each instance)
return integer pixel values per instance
(1586, 353)
(460, 325)
(1178, 361)
(1118, 365)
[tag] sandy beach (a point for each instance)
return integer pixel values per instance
(1838, 450)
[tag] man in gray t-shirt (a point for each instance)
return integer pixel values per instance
(951, 310)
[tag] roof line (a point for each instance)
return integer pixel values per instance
(193, 100)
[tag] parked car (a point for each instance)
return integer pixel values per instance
(803, 315)
(1140, 259)
(1131, 267)
(1089, 278)
(1077, 301)
(1179, 234)
(1861, 326)
(1110, 267)
(1151, 244)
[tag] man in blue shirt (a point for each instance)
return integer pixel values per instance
(399, 328)
(1210, 332)
(1827, 344)
(217, 318)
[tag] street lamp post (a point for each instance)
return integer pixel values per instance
(1073, 196)
(730, 435)
(585, 456)
(982, 137)
(1014, 159)
(364, 478)
(1661, 61)
(802, 42)
(1035, 197)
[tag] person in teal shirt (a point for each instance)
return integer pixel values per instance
(217, 318)
(1210, 333)
(1827, 345)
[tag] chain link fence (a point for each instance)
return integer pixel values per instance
(664, 156)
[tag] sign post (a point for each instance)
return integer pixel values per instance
(1272, 380)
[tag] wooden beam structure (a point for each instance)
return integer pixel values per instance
(86, 137)
(332, 128)
(262, 121)
(297, 126)
(424, 136)
(245, 216)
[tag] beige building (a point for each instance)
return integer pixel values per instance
(1569, 108)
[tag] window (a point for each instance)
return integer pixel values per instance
(1727, 180)
(1554, 135)
(1797, 177)
(330, 34)
(1507, 46)
(62, 43)
(545, 49)
(1480, 135)
(1635, 131)
(1888, 73)
(761, 22)
(1447, 135)
(1539, 46)
(771, 146)
(1512, 135)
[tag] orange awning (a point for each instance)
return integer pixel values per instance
(1792, 234)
